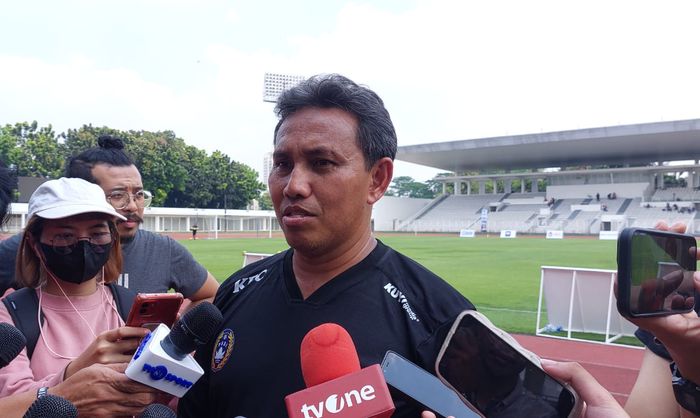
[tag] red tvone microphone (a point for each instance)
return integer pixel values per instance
(336, 386)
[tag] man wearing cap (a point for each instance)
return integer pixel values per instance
(152, 263)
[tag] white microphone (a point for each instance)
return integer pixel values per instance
(162, 360)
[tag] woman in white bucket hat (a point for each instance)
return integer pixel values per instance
(70, 250)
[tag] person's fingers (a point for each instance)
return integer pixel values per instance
(123, 333)
(661, 226)
(678, 227)
(672, 281)
(583, 382)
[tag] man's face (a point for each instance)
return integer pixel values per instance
(123, 179)
(319, 185)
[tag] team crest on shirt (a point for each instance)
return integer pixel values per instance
(222, 350)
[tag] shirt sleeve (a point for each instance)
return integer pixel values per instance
(187, 276)
(18, 376)
(8, 256)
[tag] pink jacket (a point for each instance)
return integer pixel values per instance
(65, 333)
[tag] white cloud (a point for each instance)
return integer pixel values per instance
(447, 70)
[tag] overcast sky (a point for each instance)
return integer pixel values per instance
(447, 70)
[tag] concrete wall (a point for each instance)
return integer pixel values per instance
(390, 209)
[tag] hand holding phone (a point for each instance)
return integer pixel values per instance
(151, 309)
(655, 272)
(491, 372)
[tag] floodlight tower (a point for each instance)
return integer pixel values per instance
(275, 83)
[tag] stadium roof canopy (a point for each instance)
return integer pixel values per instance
(624, 144)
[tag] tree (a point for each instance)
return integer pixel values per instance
(36, 151)
(177, 174)
(405, 186)
(265, 201)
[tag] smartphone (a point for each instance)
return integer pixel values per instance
(492, 373)
(423, 387)
(655, 272)
(151, 309)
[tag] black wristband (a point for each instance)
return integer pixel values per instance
(687, 392)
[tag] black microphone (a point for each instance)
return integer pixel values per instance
(157, 410)
(162, 361)
(12, 342)
(196, 327)
(51, 406)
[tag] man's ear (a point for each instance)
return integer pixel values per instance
(381, 175)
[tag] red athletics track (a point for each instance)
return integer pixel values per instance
(614, 366)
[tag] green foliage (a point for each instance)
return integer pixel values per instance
(265, 201)
(404, 186)
(32, 150)
(177, 174)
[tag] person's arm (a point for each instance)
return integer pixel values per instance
(189, 277)
(98, 390)
(206, 292)
(680, 335)
(652, 394)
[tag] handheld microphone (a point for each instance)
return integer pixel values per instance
(12, 342)
(162, 360)
(157, 410)
(336, 386)
(51, 406)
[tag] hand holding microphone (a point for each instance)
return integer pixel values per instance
(162, 361)
(336, 386)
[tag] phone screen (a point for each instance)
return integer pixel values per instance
(497, 379)
(423, 387)
(660, 268)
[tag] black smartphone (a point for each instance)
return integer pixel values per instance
(421, 386)
(497, 376)
(655, 272)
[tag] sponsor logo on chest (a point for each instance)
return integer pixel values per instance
(395, 293)
(247, 281)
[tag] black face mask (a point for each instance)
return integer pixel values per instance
(81, 265)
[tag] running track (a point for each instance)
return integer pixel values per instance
(614, 366)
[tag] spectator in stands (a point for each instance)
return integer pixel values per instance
(152, 263)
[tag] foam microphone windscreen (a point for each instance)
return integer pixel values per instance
(12, 342)
(196, 327)
(157, 410)
(327, 352)
(51, 406)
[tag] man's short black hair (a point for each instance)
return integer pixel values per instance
(8, 185)
(376, 135)
(109, 150)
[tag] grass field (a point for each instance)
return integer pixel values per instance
(500, 276)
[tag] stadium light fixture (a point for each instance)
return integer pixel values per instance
(275, 83)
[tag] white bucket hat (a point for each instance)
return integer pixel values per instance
(66, 197)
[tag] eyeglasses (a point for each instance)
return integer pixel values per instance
(120, 200)
(65, 243)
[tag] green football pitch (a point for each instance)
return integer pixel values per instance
(500, 276)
